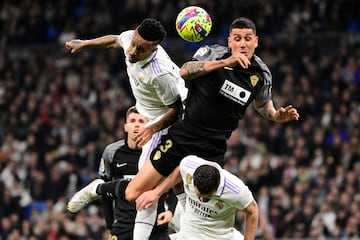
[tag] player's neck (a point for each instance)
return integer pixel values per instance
(132, 144)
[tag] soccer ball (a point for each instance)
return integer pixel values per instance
(193, 24)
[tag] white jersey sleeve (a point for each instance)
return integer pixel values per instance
(166, 88)
(125, 39)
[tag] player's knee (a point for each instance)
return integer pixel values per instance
(131, 195)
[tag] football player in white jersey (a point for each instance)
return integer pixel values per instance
(213, 195)
(156, 84)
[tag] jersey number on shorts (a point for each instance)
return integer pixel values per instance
(163, 149)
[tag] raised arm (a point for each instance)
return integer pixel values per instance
(195, 69)
(108, 41)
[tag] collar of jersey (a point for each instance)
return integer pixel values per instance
(148, 60)
(221, 187)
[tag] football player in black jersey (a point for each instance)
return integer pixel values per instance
(120, 161)
(222, 82)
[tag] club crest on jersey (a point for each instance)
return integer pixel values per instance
(219, 204)
(141, 78)
(188, 178)
(254, 80)
(234, 92)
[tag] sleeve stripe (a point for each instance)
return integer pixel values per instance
(232, 186)
(156, 66)
(191, 163)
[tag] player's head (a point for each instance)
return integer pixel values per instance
(134, 122)
(242, 37)
(147, 36)
(206, 181)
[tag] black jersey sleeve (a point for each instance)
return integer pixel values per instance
(210, 53)
(264, 95)
(107, 158)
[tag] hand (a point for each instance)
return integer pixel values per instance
(75, 45)
(164, 217)
(144, 136)
(238, 58)
(146, 199)
(286, 114)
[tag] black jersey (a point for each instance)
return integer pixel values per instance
(217, 101)
(121, 162)
(215, 104)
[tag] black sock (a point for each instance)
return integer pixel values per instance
(114, 188)
(120, 189)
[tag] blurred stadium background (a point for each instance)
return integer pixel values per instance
(58, 111)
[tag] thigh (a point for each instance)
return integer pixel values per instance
(167, 155)
(146, 179)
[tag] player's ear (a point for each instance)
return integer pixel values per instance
(126, 128)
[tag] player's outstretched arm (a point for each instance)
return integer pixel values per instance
(108, 41)
(193, 69)
(281, 115)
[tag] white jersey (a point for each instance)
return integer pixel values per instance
(155, 81)
(213, 219)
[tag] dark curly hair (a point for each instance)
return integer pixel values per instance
(151, 29)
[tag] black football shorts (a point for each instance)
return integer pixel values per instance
(174, 146)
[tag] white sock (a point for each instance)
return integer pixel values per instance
(144, 222)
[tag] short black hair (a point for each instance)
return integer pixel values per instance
(243, 22)
(206, 178)
(151, 29)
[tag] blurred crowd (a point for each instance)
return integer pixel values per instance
(58, 111)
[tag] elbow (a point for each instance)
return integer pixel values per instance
(184, 73)
(113, 42)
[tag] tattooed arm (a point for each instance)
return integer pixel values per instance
(281, 115)
(194, 69)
